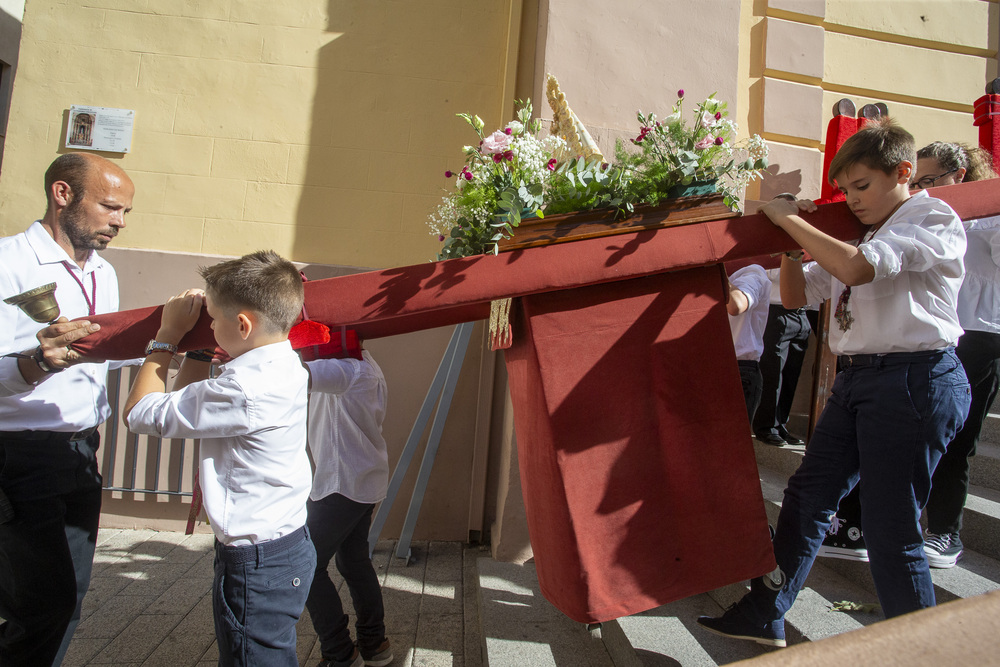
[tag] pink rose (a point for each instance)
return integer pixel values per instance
(705, 143)
(498, 142)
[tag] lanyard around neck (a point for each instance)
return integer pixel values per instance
(92, 299)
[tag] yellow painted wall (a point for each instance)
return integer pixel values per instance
(318, 128)
(928, 60)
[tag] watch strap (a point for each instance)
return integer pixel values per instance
(156, 346)
(42, 365)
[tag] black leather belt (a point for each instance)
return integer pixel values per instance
(36, 436)
(852, 360)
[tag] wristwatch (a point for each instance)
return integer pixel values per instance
(156, 346)
(40, 361)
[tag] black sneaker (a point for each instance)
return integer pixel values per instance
(844, 540)
(735, 624)
(943, 550)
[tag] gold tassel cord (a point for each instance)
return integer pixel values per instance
(566, 124)
(500, 334)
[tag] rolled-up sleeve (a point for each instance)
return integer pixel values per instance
(915, 247)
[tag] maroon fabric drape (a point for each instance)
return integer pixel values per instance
(637, 469)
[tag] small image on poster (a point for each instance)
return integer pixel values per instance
(100, 129)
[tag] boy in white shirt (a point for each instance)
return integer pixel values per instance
(902, 394)
(749, 299)
(254, 469)
(346, 409)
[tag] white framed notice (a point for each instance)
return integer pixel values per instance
(100, 129)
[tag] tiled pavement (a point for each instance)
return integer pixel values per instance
(149, 604)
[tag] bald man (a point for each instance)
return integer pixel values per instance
(51, 405)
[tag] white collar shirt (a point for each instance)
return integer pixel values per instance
(979, 300)
(76, 398)
(774, 275)
(347, 405)
(910, 306)
(748, 327)
(255, 473)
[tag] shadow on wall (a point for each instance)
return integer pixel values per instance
(383, 127)
(775, 182)
(10, 42)
(383, 121)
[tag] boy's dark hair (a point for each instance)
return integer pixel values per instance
(977, 163)
(881, 145)
(263, 282)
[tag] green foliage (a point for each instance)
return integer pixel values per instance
(502, 182)
(582, 185)
(672, 154)
(512, 174)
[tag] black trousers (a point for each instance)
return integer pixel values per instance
(47, 550)
(980, 355)
(751, 382)
(786, 337)
(339, 528)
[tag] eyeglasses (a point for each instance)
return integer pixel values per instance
(929, 181)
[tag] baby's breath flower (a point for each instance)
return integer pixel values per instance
(511, 161)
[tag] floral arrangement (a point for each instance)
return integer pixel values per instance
(673, 155)
(513, 174)
(502, 181)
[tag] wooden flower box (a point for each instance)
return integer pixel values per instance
(576, 226)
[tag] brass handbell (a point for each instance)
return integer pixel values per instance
(39, 303)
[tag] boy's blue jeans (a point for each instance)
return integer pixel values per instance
(258, 594)
(885, 427)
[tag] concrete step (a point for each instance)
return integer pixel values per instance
(990, 433)
(981, 519)
(984, 468)
(670, 634)
(975, 573)
(520, 627)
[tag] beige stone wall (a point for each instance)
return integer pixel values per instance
(613, 59)
(928, 60)
(318, 128)
(11, 12)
